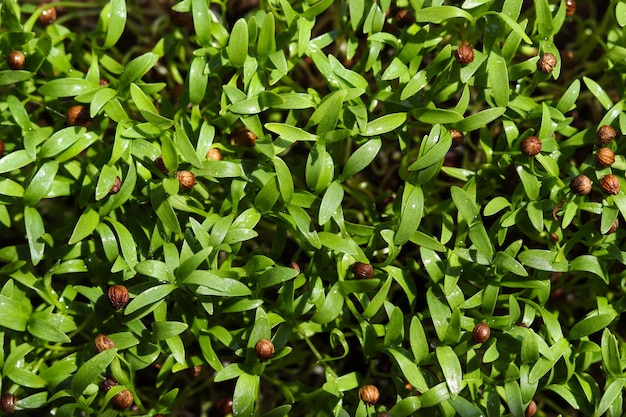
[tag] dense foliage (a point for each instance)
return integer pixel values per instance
(312, 207)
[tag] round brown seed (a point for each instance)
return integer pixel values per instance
(264, 349)
(546, 63)
(404, 17)
(117, 185)
(464, 54)
(108, 383)
(570, 7)
(531, 410)
(48, 16)
(481, 333)
(161, 165)
(7, 402)
(102, 343)
(610, 184)
(580, 185)
(118, 296)
(214, 154)
(16, 60)
(244, 137)
(362, 270)
(78, 116)
(605, 157)
(605, 134)
(531, 146)
(123, 399)
(369, 394)
(186, 179)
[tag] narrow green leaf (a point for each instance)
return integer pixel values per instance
(384, 124)
(245, 395)
(150, 296)
(201, 21)
(46, 331)
(41, 182)
(85, 226)
(361, 158)
(590, 325)
(411, 213)
(137, 68)
(611, 392)
(198, 80)
(438, 14)
(478, 120)
(116, 23)
(162, 330)
(330, 202)
(34, 232)
(237, 48)
(285, 181)
(90, 370)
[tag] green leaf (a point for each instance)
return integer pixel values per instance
(434, 154)
(13, 314)
(137, 68)
(90, 370)
(411, 212)
(330, 202)
(285, 181)
(46, 331)
(150, 296)
(67, 87)
(361, 158)
(162, 330)
(41, 183)
(85, 226)
(163, 209)
(497, 73)
(508, 263)
(201, 21)
(438, 14)
(478, 120)
(590, 325)
(198, 80)
(211, 284)
(342, 245)
(320, 168)
(495, 205)
(567, 102)
(34, 232)
(598, 92)
(592, 264)
(384, 124)
(277, 275)
(245, 395)
(407, 406)
(330, 309)
(543, 260)
(418, 341)
(14, 160)
(147, 109)
(267, 42)
(465, 204)
(8, 77)
(611, 354)
(237, 48)
(117, 21)
(611, 393)
(620, 13)
(544, 18)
